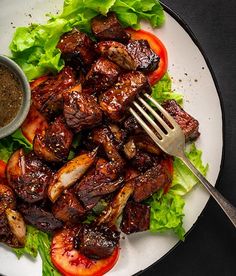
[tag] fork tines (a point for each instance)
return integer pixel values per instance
(165, 123)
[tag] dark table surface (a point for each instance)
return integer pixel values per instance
(210, 248)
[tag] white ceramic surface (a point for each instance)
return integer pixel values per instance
(191, 77)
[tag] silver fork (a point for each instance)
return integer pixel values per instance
(171, 140)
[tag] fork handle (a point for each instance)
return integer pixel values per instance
(226, 206)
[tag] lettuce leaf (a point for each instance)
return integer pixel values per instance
(183, 178)
(34, 47)
(162, 91)
(167, 210)
(31, 246)
(167, 213)
(13, 142)
(44, 243)
(38, 242)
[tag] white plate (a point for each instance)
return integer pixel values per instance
(192, 77)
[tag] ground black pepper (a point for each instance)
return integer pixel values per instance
(11, 95)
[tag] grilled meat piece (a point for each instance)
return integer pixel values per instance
(41, 219)
(144, 142)
(7, 198)
(136, 218)
(28, 176)
(132, 126)
(81, 111)
(53, 144)
(104, 137)
(146, 60)
(150, 182)
(77, 49)
(67, 175)
(130, 149)
(118, 53)
(97, 183)
(67, 208)
(188, 124)
(142, 161)
(108, 28)
(116, 100)
(96, 242)
(47, 94)
(102, 75)
(119, 134)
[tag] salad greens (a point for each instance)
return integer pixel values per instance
(34, 47)
(38, 242)
(162, 91)
(167, 210)
(11, 143)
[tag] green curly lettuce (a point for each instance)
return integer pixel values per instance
(34, 47)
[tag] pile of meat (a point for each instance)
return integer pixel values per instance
(115, 162)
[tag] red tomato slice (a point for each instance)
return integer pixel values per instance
(2, 169)
(70, 262)
(158, 47)
(33, 122)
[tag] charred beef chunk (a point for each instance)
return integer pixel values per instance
(41, 219)
(102, 75)
(150, 182)
(103, 136)
(77, 49)
(108, 28)
(81, 111)
(67, 208)
(53, 144)
(130, 149)
(97, 183)
(136, 218)
(47, 95)
(7, 198)
(118, 133)
(188, 124)
(116, 100)
(144, 142)
(28, 176)
(142, 161)
(96, 242)
(132, 126)
(118, 53)
(145, 58)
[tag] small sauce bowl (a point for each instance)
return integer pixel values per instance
(17, 121)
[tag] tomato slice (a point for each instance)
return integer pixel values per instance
(70, 262)
(34, 121)
(158, 47)
(2, 169)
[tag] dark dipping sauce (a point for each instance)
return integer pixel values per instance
(11, 95)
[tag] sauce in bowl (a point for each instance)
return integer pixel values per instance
(11, 95)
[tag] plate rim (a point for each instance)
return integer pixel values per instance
(191, 34)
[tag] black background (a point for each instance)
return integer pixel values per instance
(210, 248)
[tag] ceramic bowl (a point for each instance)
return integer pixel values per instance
(24, 109)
